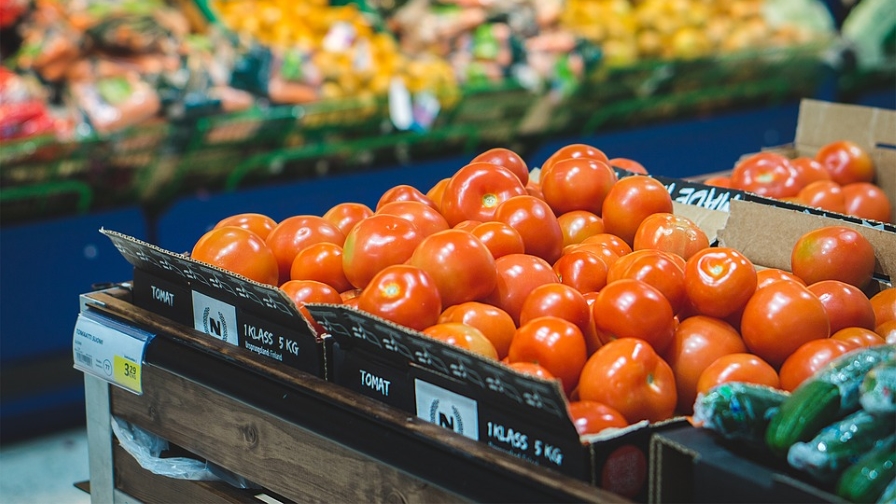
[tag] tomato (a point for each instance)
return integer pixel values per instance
(518, 275)
(887, 331)
(670, 233)
(833, 253)
(239, 251)
(505, 158)
(719, 281)
(846, 162)
(767, 276)
(427, 219)
(500, 238)
(350, 295)
(557, 300)
(718, 181)
(404, 192)
(467, 225)
(884, 305)
(297, 232)
(345, 215)
(657, 269)
(824, 194)
(779, 318)
(436, 192)
(310, 291)
(738, 367)
(859, 336)
(630, 201)
(553, 343)
(809, 170)
(628, 165)
(845, 304)
(602, 251)
(403, 294)
(463, 336)
(577, 184)
(867, 201)
(532, 368)
(809, 358)
(476, 190)
(321, 262)
(536, 224)
(573, 151)
(259, 224)
(697, 342)
(629, 376)
(609, 241)
(578, 225)
(376, 242)
(492, 321)
(582, 270)
(630, 308)
(591, 417)
(533, 188)
(461, 266)
(766, 174)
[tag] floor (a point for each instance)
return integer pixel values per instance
(44, 470)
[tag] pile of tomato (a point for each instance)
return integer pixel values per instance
(579, 276)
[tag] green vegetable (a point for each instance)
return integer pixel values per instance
(738, 411)
(878, 390)
(867, 479)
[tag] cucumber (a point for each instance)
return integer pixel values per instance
(827, 396)
(868, 478)
(738, 411)
(878, 390)
(889, 494)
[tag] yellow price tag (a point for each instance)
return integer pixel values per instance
(127, 373)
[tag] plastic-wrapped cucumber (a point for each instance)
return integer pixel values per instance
(841, 444)
(889, 495)
(867, 479)
(738, 411)
(877, 393)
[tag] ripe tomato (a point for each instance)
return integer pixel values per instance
(505, 158)
(553, 343)
(404, 192)
(887, 331)
(536, 224)
(698, 341)
(557, 300)
(492, 321)
(463, 336)
(310, 291)
(719, 281)
(767, 276)
(436, 192)
(809, 358)
(476, 190)
(461, 266)
(846, 162)
(578, 225)
(601, 250)
(884, 305)
(630, 201)
(738, 367)
(809, 170)
(345, 215)
(845, 305)
(867, 201)
(582, 270)
(467, 225)
(824, 194)
(239, 251)
(766, 174)
(573, 151)
(376, 242)
(403, 294)
(591, 417)
(297, 232)
(532, 368)
(630, 377)
(630, 308)
(321, 262)
(533, 188)
(657, 269)
(259, 224)
(499, 238)
(609, 241)
(779, 318)
(833, 253)
(718, 181)
(427, 219)
(628, 165)
(670, 233)
(859, 336)
(517, 276)
(577, 184)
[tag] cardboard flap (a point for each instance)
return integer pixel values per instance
(822, 122)
(710, 221)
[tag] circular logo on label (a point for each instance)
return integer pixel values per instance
(216, 327)
(625, 471)
(107, 367)
(449, 420)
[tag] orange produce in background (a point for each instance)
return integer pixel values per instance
(846, 162)
(258, 223)
(240, 251)
(833, 253)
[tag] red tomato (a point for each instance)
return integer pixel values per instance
(657, 269)
(259, 224)
(719, 281)
(427, 219)
(698, 341)
(578, 225)
(630, 377)
(505, 158)
(321, 262)
(824, 194)
(239, 251)
(779, 318)
(591, 417)
(670, 233)
(887, 331)
(766, 174)
(536, 224)
(533, 188)
(376, 242)
(582, 270)
(610, 241)
(606, 254)
(809, 358)
(884, 305)
(573, 151)
(492, 321)
(628, 165)
(310, 291)
(476, 190)
(553, 343)
(518, 275)
(464, 336)
(436, 192)
(809, 170)
(630, 201)
(557, 300)
(295, 233)
(533, 369)
(633, 309)
(846, 162)
(859, 336)
(345, 215)
(833, 253)
(500, 238)
(767, 276)
(577, 184)
(867, 201)
(461, 266)
(403, 294)
(467, 225)
(738, 367)
(404, 192)
(718, 181)
(845, 305)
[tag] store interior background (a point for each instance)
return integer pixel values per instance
(46, 264)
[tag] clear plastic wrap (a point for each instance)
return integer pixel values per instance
(738, 411)
(877, 393)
